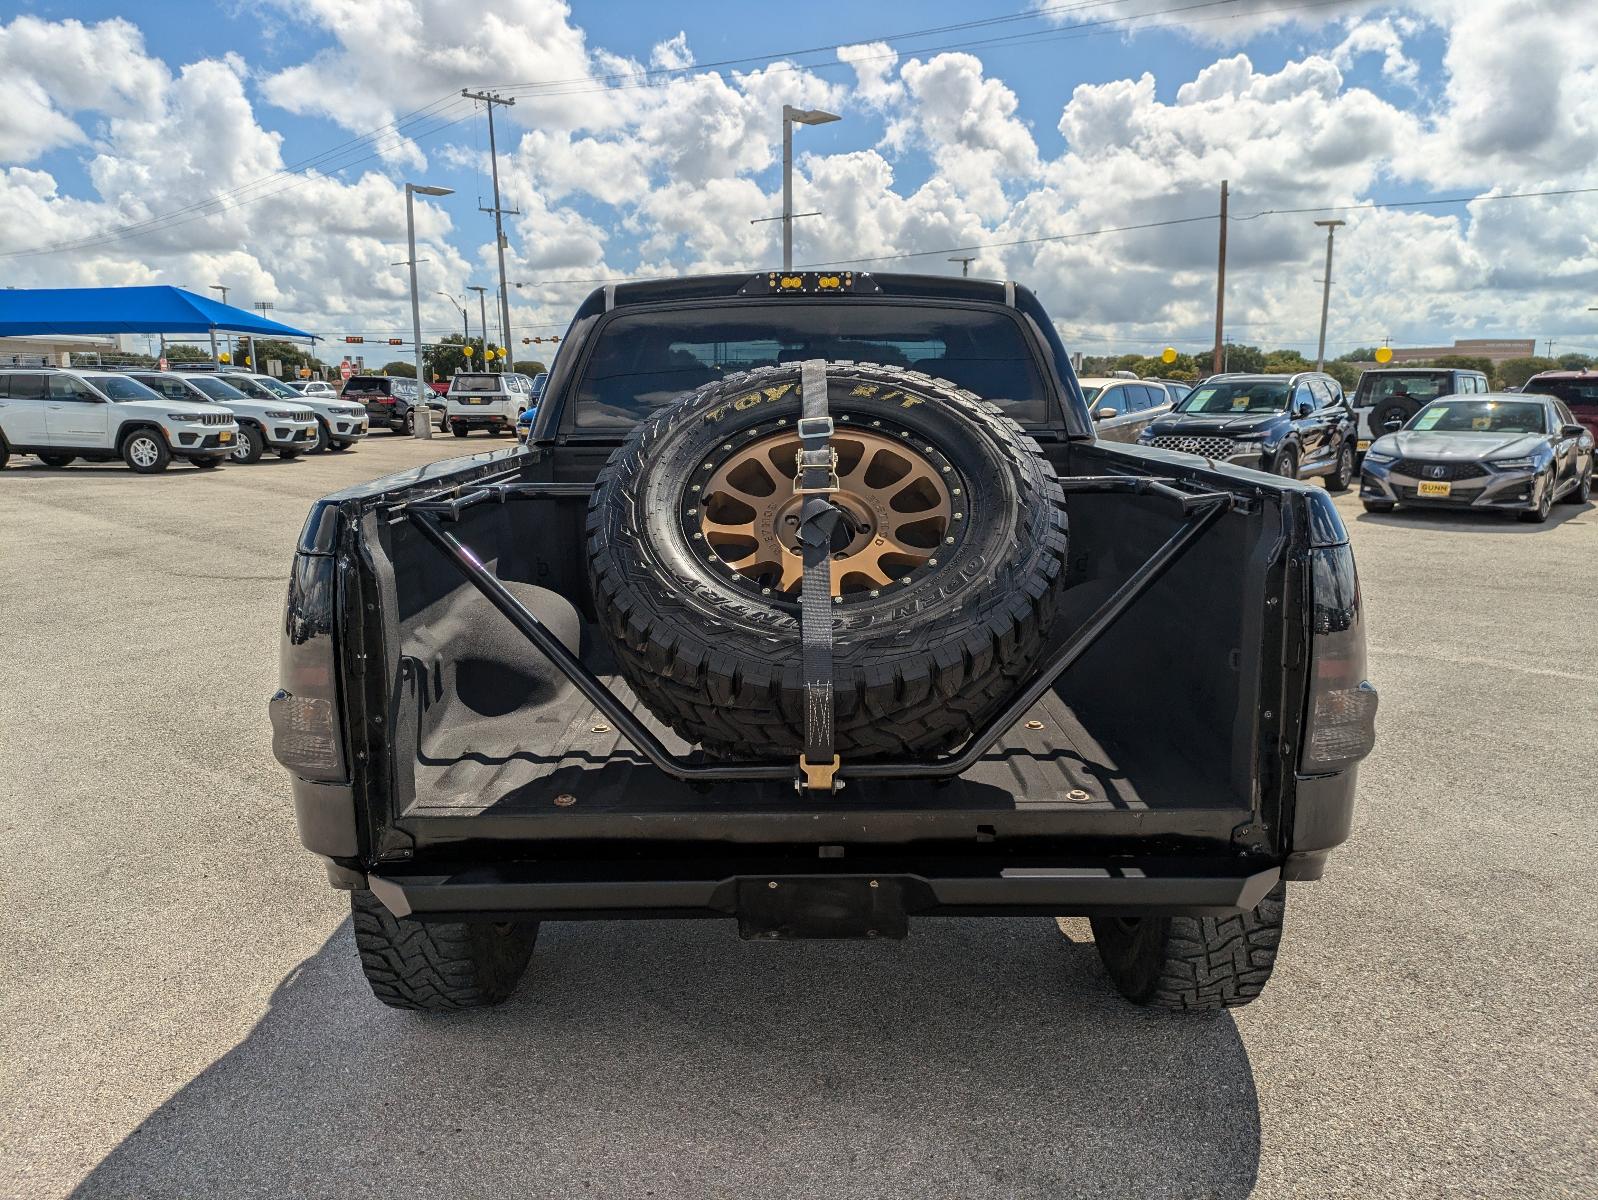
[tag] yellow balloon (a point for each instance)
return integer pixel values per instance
(467, 351)
(1168, 355)
(488, 356)
(1383, 354)
(224, 356)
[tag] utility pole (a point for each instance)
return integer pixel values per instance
(1550, 347)
(490, 99)
(1216, 362)
(482, 311)
(965, 261)
(1326, 290)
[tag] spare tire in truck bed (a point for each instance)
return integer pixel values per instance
(945, 571)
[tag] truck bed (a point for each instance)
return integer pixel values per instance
(469, 769)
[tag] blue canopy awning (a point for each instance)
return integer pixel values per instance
(34, 311)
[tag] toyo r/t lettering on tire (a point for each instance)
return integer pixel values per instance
(946, 567)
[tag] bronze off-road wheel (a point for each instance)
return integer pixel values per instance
(945, 571)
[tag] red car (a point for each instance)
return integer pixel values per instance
(1578, 389)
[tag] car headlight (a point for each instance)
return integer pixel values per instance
(184, 417)
(1524, 463)
(279, 416)
(1378, 458)
(1146, 434)
(1250, 437)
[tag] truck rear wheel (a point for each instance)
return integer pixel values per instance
(945, 569)
(438, 966)
(1190, 963)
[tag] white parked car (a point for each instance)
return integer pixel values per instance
(100, 416)
(487, 400)
(313, 387)
(338, 425)
(263, 424)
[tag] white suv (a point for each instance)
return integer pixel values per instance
(101, 416)
(263, 424)
(487, 400)
(338, 425)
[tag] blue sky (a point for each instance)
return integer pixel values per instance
(663, 180)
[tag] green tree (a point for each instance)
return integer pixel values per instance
(1346, 373)
(448, 356)
(1363, 355)
(1513, 372)
(183, 352)
(292, 355)
(1242, 358)
(408, 370)
(1575, 362)
(530, 366)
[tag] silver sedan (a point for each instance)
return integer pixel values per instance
(1508, 453)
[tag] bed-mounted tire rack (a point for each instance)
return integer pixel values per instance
(1199, 511)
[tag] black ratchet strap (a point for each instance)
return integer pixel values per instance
(815, 481)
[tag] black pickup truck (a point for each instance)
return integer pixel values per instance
(486, 729)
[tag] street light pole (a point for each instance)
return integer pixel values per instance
(482, 311)
(1326, 290)
(223, 288)
(466, 328)
(803, 116)
(424, 427)
(965, 261)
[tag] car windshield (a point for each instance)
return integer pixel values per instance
(273, 388)
(1417, 385)
(172, 389)
(119, 387)
(645, 360)
(1237, 396)
(217, 389)
(1480, 416)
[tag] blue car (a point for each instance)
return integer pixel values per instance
(524, 423)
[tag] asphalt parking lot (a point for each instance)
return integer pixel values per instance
(183, 1014)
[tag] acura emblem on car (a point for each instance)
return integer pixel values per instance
(1437, 472)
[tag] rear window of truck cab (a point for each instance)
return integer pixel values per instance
(641, 361)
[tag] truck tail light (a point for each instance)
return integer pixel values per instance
(1340, 728)
(306, 735)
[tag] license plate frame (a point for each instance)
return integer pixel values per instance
(1435, 489)
(1363, 445)
(804, 907)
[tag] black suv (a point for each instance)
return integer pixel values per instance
(1297, 426)
(389, 400)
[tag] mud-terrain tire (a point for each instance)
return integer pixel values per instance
(1193, 963)
(1399, 408)
(438, 966)
(917, 666)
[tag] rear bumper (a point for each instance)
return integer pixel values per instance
(854, 902)
(481, 420)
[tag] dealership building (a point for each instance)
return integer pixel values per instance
(1495, 350)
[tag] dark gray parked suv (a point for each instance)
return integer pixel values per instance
(1297, 426)
(390, 401)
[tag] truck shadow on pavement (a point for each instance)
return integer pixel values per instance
(665, 1059)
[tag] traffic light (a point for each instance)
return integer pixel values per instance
(354, 341)
(396, 341)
